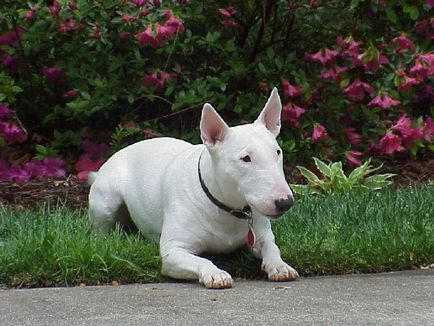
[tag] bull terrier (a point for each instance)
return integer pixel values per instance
(209, 198)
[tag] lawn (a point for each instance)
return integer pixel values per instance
(357, 232)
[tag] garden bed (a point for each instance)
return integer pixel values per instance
(72, 192)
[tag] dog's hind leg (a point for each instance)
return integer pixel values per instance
(106, 207)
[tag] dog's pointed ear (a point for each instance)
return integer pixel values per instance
(270, 115)
(212, 126)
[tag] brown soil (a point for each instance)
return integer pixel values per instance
(73, 192)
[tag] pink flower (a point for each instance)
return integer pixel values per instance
(353, 158)
(424, 66)
(12, 133)
(19, 174)
(86, 165)
(415, 134)
(323, 56)
(69, 25)
(157, 80)
(333, 73)
(164, 32)
(357, 90)
(350, 48)
(228, 12)
(292, 114)
(319, 133)
(72, 5)
(409, 134)
(175, 24)
(129, 19)
(144, 13)
(52, 167)
(383, 101)
(34, 168)
(55, 9)
(422, 26)
(403, 125)
(54, 74)
(147, 38)
(12, 37)
(391, 143)
(428, 129)
(290, 90)
(408, 82)
(353, 136)
(140, 3)
(5, 112)
(69, 94)
(430, 3)
(263, 87)
(153, 80)
(403, 43)
(374, 64)
(30, 15)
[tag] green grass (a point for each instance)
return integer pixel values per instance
(351, 233)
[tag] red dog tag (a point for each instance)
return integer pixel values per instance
(250, 237)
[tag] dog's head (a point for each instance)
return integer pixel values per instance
(250, 157)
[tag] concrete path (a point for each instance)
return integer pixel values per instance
(401, 298)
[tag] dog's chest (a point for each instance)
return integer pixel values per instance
(227, 237)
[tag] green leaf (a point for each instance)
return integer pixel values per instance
(379, 181)
(344, 83)
(324, 168)
(354, 4)
(390, 12)
(304, 189)
(359, 173)
(85, 95)
(310, 176)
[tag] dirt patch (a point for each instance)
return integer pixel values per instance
(73, 192)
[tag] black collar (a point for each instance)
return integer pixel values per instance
(245, 213)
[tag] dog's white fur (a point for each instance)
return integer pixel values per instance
(156, 183)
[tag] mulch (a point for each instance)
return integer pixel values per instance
(72, 192)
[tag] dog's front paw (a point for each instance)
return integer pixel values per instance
(216, 280)
(280, 272)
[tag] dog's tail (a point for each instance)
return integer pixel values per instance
(91, 177)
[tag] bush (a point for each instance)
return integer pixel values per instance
(355, 77)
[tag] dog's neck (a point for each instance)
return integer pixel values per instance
(223, 188)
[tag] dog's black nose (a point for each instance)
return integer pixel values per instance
(283, 204)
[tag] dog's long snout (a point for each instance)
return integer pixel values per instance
(284, 204)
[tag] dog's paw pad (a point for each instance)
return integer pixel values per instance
(281, 273)
(217, 280)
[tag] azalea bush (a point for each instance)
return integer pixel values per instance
(356, 77)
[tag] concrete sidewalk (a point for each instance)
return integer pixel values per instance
(400, 298)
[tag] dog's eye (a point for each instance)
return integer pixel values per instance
(278, 152)
(246, 159)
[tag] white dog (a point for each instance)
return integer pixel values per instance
(212, 198)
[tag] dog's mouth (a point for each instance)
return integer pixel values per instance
(270, 216)
(274, 216)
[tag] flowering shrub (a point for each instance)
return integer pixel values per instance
(355, 86)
